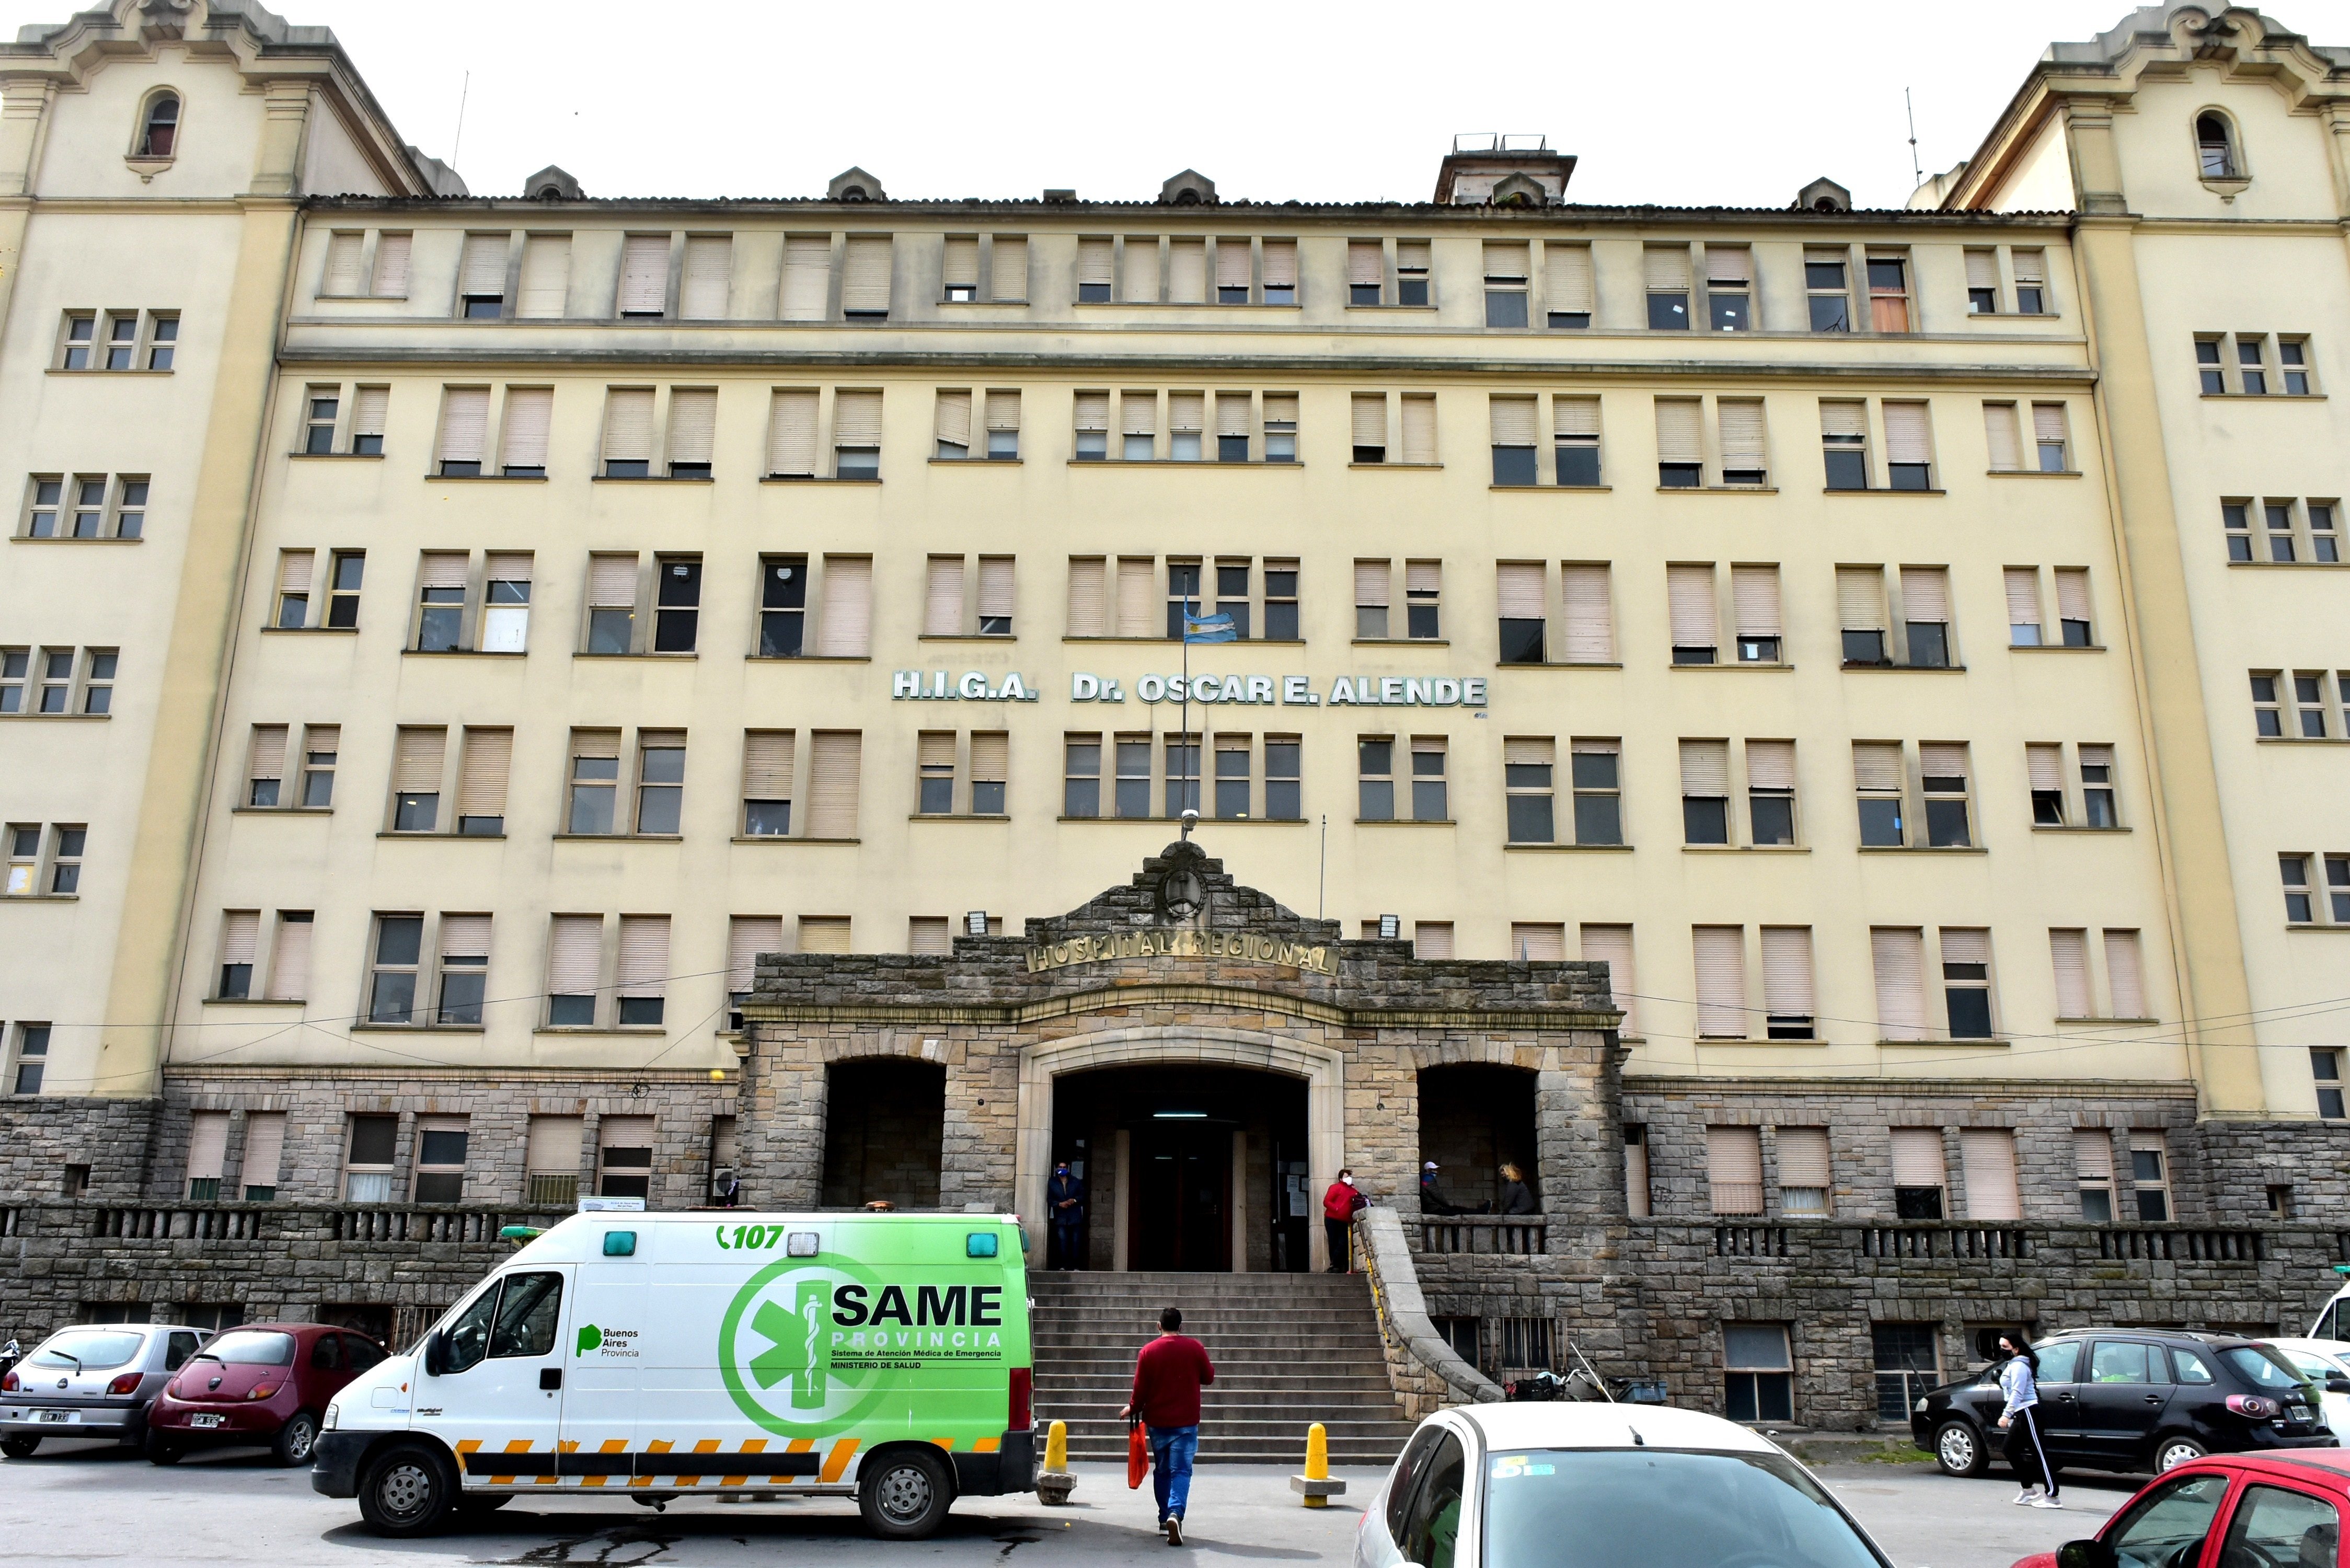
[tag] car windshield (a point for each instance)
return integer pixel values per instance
(94, 1349)
(1583, 1507)
(2262, 1367)
(246, 1347)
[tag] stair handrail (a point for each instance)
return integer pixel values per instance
(1404, 1331)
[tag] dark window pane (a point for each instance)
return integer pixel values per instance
(372, 1139)
(1377, 803)
(1729, 312)
(766, 818)
(1969, 1013)
(1929, 647)
(1428, 803)
(394, 999)
(1506, 307)
(673, 630)
(1082, 797)
(1863, 647)
(1908, 475)
(640, 1011)
(1513, 465)
(1411, 291)
(1282, 800)
(399, 938)
(415, 813)
(1774, 819)
(1946, 824)
(1705, 820)
(936, 797)
(1594, 770)
(1281, 621)
(1680, 475)
(571, 1012)
(1529, 819)
(1522, 641)
(1880, 822)
(1667, 312)
(1598, 819)
(1917, 1202)
(1578, 465)
(779, 633)
(1847, 469)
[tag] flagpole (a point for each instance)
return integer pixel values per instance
(1184, 723)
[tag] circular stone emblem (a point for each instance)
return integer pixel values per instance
(775, 1351)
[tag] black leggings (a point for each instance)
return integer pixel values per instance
(2027, 1456)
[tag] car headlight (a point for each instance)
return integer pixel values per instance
(332, 1419)
(1921, 1407)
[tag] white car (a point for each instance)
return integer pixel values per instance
(1598, 1486)
(2326, 1362)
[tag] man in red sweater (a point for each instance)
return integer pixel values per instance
(1168, 1378)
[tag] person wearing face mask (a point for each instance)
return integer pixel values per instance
(1066, 1196)
(1340, 1204)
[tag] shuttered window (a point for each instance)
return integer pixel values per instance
(1537, 942)
(1926, 594)
(268, 755)
(616, 1132)
(2093, 1154)
(553, 1145)
(2050, 435)
(1431, 940)
(1612, 945)
(1987, 1158)
(1187, 272)
(1876, 765)
(1137, 596)
(856, 420)
(864, 276)
(954, 424)
(1844, 420)
(465, 936)
(1860, 597)
(545, 277)
(943, 600)
(2023, 586)
(343, 275)
(808, 271)
(2045, 766)
(1982, 270)
(1590, 614)
(1705, 768)
(1909, 438)
(1918, 1159)
(1092, 412)
(2126, 974)
(1575, 419)
(612, 582)
(1733, 1170)
(1743, 438)
(1366, 265)
(1505, 261)
(482, 775)
(1419, 427)
(391, 252)
(1141, 258)
(1680, 434)
(644, 275)
(1514, 422)
(574, 952)
(1804, 1165)
(644, 955)
(2072, 594)
(748, 936)
(1233, 263)
(824, 934)
(289, 961)
(1770, 764)
(791, 432)
(692, 426)
(530, 411)
(1898, 955)
(1754, 601)
(1689, 593)
(264, 1154)
(2002, 435)
(845, 629)
(1280, 267)
(1003, 412)
(1728, 265)
(368, 411)
(482, 268)
(1566, 278)
(767, 757)
(240, 936)
(1522, 597)
(1720, 984)
(1008, 270)
(1943, 761)
(2026, 265)
(1094, 257)
(1787, 974)
(1187, 412)
(1374, 585)
(959, 268)
(990, 752)
(1667, 269)
(629, 425)
(995, 594)
(1232, 413)
(2068, 952)
(207, 1151)
(834, 759)
(709, 277)
(465, 424)
(1370, 426)
(416, 765)
(1087, 604)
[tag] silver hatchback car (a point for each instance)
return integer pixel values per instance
(91, 1381)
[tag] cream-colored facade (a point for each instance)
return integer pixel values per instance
(424, 469)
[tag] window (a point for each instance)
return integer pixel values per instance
(1754, 604)
(1920, 1176)
(1233, 781)
(2251, 365)
(319, 746)
(2049, 433)
(2045, 765)
(1966, 982)
(677, 613)
(1003, 412)
(1412, 272)
(2150, 1174)
(627, 449)
(546, 276)
(1598, 797)
(73, 353)
(368, 411)
(1280, 259)
(264, 1149)
(1181, 753)
(1987, 1160)
(782, 605)
(1008, 270)
(1514, 441)
(693, 428)
(464, 429)
(2030, 268)
(481, 276)
(1374, 581)
(644, 276)
(32, 1058)
(747, 937)
(1689, 600)
(2073, 613)
(1758, 1373)
(439, 1159)
(240, 935)
(2324, 542)
(345, 571)
(660, 781)
(1280, 427)
(2215, 149)
(1771, 791)
(1667, 269)
(1429, 799)
(1370, 427)
(835, 761)
(2291, 353)
(767, 760)
(1231, 597)
(390, 280)
(1419, 429)
(1522, 602)
(1983, 282)
(574, 960)
(2097, 787)
(1888, 294)
(827, 934)
(1729, 274)
(1284, 788)
(934, 754)
(643, 972)
(97, 681)
(1431, 940)
(1680, 444)
(1505, 284)
(1926, 615)
(16, 665)
(318, 429)
(1133, 778)
(41, 511)
(594, 781)
(1575, 424)
(290, 957)
(440, 601)
(1898, 957)
(368, 1160)
(2325, 1067)
(266, 766)
(1375, 778)
(1721, 959)
(2337, 888)
(611, 604)
(56, 666)
(1843, 436)
(1743, 442)
(1365, 272)
(1540, 941)
(2206, 366)
(953, 421)
(2126, 974)
(1081, 775)
(1908, 446)
(1805, 1184)
(856, 435)
(1233, 267)
(624, 1157)
(1636, 1169)
(791, 433)
(418, 753)
(1612, 945)
(1705, 792)
(2092, 1158)
(1943, 769)
(1567, 285)
(1529, 793)
(1860, 607)
(1733, 1166)
(1829, 294)
(391, 976)
(1877, 768)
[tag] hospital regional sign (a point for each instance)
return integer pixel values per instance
(1246, 945)
(1231, 691)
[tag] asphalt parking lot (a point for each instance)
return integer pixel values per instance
(84, 1504)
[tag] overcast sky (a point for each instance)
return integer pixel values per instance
(1687, 103)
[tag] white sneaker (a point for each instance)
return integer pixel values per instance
(1174, 1530)
(2046, 1502)
(2026, 1496)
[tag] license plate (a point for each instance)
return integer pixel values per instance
(205, 1421)
(57, 1415)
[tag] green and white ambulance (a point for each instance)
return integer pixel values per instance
(883, 1357)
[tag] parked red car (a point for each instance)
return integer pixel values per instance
(263, 1383)
(2278, 1510)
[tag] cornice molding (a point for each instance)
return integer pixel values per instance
(1241, 999)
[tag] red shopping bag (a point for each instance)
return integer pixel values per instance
(1138, 1454)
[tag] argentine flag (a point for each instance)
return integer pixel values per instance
(1208, 628)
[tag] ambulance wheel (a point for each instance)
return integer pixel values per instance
(904, 1495)
(407, 1489)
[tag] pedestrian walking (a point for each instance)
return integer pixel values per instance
(1517, 1198)
(2027, 1455)
(1340, 1204)
(1065, 1195)
(1167, 1377)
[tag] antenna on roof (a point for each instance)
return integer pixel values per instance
(1917, 171)
(460, 141)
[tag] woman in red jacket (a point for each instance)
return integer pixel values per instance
(1339, 1207)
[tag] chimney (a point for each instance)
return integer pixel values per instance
(1515, 171)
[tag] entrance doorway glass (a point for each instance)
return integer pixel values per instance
(1183, 1196)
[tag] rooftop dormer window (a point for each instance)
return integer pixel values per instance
(158, 127)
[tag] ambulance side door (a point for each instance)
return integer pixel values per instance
(491, 1384)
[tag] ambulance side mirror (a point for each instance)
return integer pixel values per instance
(436, 1355)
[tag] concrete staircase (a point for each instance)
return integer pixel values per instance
(1289, 1350)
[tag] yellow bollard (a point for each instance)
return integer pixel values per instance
(1056, 1445)
(1315, 1488)
(1053, 1482)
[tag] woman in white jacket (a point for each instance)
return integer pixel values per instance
(2027, 1455)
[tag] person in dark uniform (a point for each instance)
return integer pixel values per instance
(1064, 1197)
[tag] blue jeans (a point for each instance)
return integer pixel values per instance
(1171, 1452)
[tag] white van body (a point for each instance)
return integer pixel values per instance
(798, 1352)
